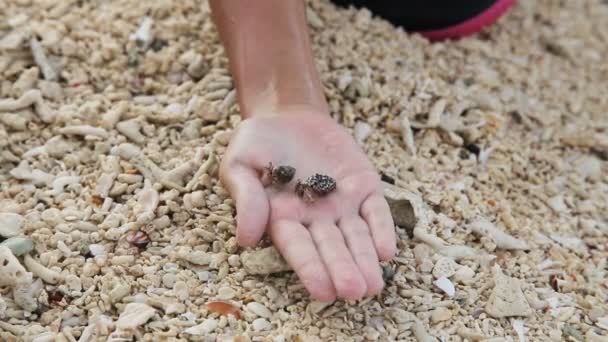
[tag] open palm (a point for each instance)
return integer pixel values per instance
(333, 244)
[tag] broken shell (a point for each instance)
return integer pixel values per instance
(260, 324)
(446, 286)
(10, 224)
(134, 315)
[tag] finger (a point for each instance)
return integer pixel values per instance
(252, 208)
(297, 247)
(343, 270)
(377, 214)
(361, 246)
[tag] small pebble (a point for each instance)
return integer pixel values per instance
(441, 314)
(10, 224)
(444, 267)
(226, 293)
(261, 324)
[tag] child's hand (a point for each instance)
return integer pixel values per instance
(333, 244)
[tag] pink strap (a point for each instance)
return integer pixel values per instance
(472, 25)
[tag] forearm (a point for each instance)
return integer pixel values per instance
(270, 55)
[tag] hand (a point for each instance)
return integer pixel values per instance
(334, 244)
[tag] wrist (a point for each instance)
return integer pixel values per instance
(272, 104)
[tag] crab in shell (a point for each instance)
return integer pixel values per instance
(317, 185)
(278, 175)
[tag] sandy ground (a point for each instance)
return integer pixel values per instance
(114, 115)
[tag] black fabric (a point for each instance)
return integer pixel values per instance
(422, 15)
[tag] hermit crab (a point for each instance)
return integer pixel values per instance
(315, 186)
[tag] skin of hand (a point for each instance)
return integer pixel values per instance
(334, 245)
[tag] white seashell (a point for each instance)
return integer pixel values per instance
(259, 309)
(226, 293)
(446, 286)
(206, 327)
(261, 324)
(10, 224)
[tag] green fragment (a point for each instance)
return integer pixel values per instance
(158, 44)
(132, 58)
(571, 331)
(84, 249)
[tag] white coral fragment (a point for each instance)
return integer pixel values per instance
(29, 98)
(84, 130)
(132, 130)
(42, 61)
(507, 299)
(503, 240)
(25, 173)
(48, 275)
(60, 183)
(134, 315)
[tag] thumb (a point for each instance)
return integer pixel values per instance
(252, 207)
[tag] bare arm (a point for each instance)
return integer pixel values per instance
(270, 55)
